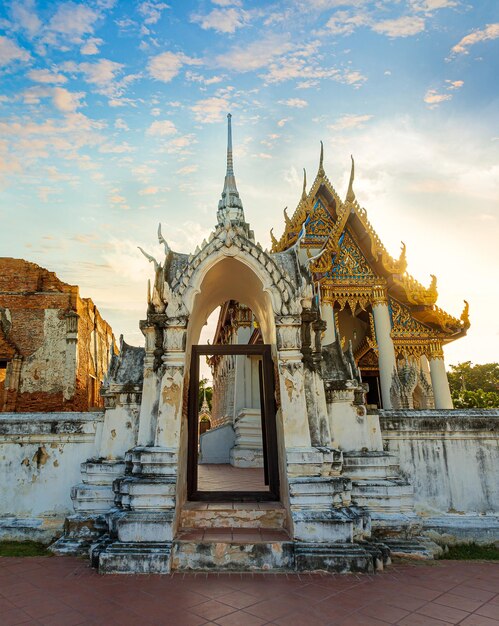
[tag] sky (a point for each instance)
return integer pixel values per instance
(113, 119)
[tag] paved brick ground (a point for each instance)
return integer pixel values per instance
(225, 477)
(66, 591)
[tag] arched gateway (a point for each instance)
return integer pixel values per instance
(326, 471)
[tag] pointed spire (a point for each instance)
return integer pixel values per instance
(351, 193)
(230, 206)
(321, 160)
(304, 191)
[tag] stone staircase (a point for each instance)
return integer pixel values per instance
(239, 536)
(92, 499)
(377, 483)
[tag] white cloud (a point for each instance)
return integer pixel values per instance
(167, 65)
(66, 101)
(433, 98)
(151, 11)
(162, 128)
(149, 191)
(46, 76)
(199, 78)
(122, 148)
(349, 122)
(117, 200)
(72, 21)
(491, 31)
(179, 144)
(10, 51)
(24, 16)
(121, 124)
(296, 103)
(283, 121)
(344, 23)
(187, 169)
(210, 110)
(432, 5)
(405, 26)
(255, 55)
(454, 84)
(91, 46)
(223, 20)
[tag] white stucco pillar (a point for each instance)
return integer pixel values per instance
(386, 353)
(439, 381)
(327, 312)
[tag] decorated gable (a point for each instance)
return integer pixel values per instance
(350, 264)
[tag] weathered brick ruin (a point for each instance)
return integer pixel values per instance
(54, 345)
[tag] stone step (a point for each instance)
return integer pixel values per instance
(233, 550)
(370, 465)
(333, 557)
(255, 515)
(383, 495)
(416, 549)
(101, 472)
(92, 498)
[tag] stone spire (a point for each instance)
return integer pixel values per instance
(230, 206)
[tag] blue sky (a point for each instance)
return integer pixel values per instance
(112, 119)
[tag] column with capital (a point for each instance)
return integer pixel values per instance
(386, 352)
(439, 381)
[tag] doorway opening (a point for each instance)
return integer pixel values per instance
(236, 458)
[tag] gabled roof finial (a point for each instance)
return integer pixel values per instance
(351, 193)
(321, 159)
(304, 191)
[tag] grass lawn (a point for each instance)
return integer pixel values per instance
(23, 548)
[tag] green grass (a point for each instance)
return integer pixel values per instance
(472, 552)
(23, 548)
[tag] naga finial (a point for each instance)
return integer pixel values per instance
(286, 217)
(304, 191)
(272, 237)
(350, 197)
(163, 241)
(433, 285)
(321, 159)
(402, 262)
(465, 318)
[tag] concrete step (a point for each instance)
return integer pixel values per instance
(233, 549)
(384, 495)
(254, 515)
(416, 549)
(333, 557)
(370, 465)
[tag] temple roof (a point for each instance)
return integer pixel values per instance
(327, 218)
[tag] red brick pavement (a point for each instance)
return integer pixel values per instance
(65, 591)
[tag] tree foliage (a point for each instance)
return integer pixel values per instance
(474, 386)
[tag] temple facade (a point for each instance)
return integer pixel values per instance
(331, 410)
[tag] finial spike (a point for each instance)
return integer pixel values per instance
(321, 158)
(304, 191)
(351, 193)
(230, 162)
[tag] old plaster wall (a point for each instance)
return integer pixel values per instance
(450, 457)
(40, 457)
(54, 343)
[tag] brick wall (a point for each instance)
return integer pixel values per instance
(56, 369)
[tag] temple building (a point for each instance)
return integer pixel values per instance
(54, 345)
(333, 444)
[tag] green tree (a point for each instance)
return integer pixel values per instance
(474, 386)
(468, 377)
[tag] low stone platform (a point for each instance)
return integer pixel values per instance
(67, 591)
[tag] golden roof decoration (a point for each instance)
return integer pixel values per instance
(402, 285)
